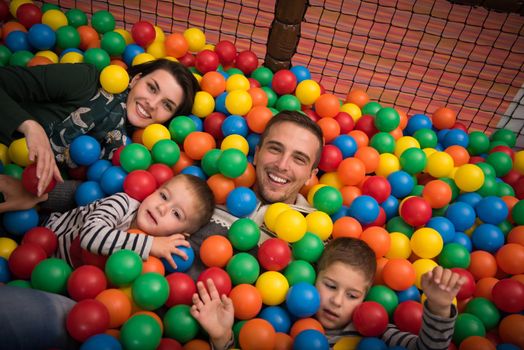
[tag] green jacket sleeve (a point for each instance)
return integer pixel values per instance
(49, 91)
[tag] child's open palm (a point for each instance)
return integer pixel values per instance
(441, 287)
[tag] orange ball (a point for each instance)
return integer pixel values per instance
(347, 226)
(137, 136)
(258, 117)
(370, 157)
(403, 119)
(444, 118)
(437, 193)
(378, 239)
(379, 276)
(358, 97)
(118, 62)
(176, 45)
(510, 258)
(118, 304)
(327, 106)
(197, 344)
(519, 278)
(214, 83)
(198, 143)
(516, 235)
(247, 179)
(476, 343)
(283, 341)
(246, 300)
(330, 128)
(360, 137)
(87, 35)
(484, 286)
(305, 324)
(39, 61)
(511, 330)
(183, 162)
(351, 171)
(399, 274)
(483, 264)
(349, 193)
(459, 154)
(153, 264)
(258, 96)
(9, 27)
(510, 203)
(216, 250)
(257, 334)
(397, 133)
(221, 186)
(305, 189)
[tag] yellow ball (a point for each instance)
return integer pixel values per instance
(518, 162)
(272, 212)
(195, 38)
(237, 82)
(423, 298)
(114, 79)
(4, 154)
(387, 164)
(320, 224)
(290, 225)
(331, 179)
(154, 133)
(142, 58)
(157, 49)
(469, 177)
(15, 4)
(426, 242)
(429, 151)
(72, 57)
(347, 343)
(422, 266)
(400, 246)
(54, 18)
(203, 105)
(18, 152)
(307, 91)
(159, 34)
(273, 287)
(352, 109)
(48, 54)
(239, 102)
(235, 141)
(405, 142)
(312, 191)
(198, 77)
(126, 35)
(209, 47)
(7, 245)
(440, 164)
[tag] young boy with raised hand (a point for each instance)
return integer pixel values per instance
(345, 273)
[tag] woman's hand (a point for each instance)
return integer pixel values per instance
(40, 152)
(15, 195)
(163, 247)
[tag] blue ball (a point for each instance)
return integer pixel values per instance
(97, 169)
(194, 170)
(471, 198)
(71, 49)
(441, 135)
(220, 103)
(20, 221)
(252, 141)
(464, 240)
(198, 122)
(456, 137)
(343, 211)
(507, 346)
(302, 300)
(88, 192)
(401, 183)
(112, 180)
(301, 73)
(181, 264)
(346, 144)
(412, 293)
(241, 202)
(443, 226)
(310, 339)
(223, 72)
(235, 125)
(5, 275)
(462, 215)
(417, 122)
(365, 209)
(487, 237)
(101, 342)
(390, 206)
(371, 343)
(17, 41)
(41, 36)
(492, 210)
(84, 150)
(130, 52)
(278, 317)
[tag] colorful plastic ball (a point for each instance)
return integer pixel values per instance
(263, 75)
(246, 300)
(413, 160)
(216, 250)
(274, 254)
(30, 180)
(492, 210)
(143, 33)
(307, 92)
(411, 293)
(114, 79)
(370, 319)
(150, 291)
(41, 37)
(86, 282)
(510, 258)
(301, 73)
(408, 316)
(462, 215)
(51, 275)
(327, 199)
(417, 122)
(130, 52)
(511, 330)
(112, 180)
(232, 163)
(454, 255)
(24, 259)
(421, 267)
(123, 267)
(308, 248)
(310, 339)
(88, 192)
(154, 133)
(241, 202)
(485, 310)
(19, 153)
(346, 144)
(84, 150)
(20, 58)
(273, 287)
(139, 184)
(469, 177)
(234, 124)
(220, 278)
(103, 21)
(101, 342)
(243, 268)
(257, 333)
(181, 289)
(179, 324)
(206, 61)
(278, 317)
(320, 224)
(330, 158)
(426, 242)
(284, 82)
(416, 211)
(246, 61)
(17, 41)
(487, 237)
(387, 119)
(365, 209)
(508, 295)
(87, 318)
(97, 57)
(238, 102)
(398, 274)
(141, 331)
(67, 37)
(181, 264)
(244, 234)
(19, 222)
(401, 183)
(467, 325)
(300, 271)
(28, 14)
(135, 156)
(226, 52)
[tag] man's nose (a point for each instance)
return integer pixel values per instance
(283, 161)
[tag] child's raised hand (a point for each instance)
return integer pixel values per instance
(163, 247)
(215, 313)
(441, 286)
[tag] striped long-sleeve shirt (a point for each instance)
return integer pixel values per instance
(101, 227)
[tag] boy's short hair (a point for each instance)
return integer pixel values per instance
(349, 251)
(205, 199)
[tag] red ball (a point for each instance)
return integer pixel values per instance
(379, 221)
(508, 295)
(511, 177)
(116, 156)
(187, 60)
(139, 184)
(519, 188)
(87, 318)
(284, 82)
(377, 187)
(366, 123)
(169, 344)
(467, 290)
(246, 61)
(143, 33)
(503, 149)
(476, 159)
(220, 278)
(206, 61)
(408, 316)
(4, 11)
(370, 319)
(29, 14)
(78, 173)
(226, 51)
(24, 258)
(345, 121)
(161, 173)
(89, 258)
(330, 158)
(416, 211)
(253, 83)
(86, 282)
(459, 125)
(312, 114)
(213, 125)
(181, 289)
(43, 237)
(30, 181)
(274, 254)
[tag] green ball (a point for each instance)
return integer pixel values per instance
(123, 267)
(485, 310)
(113, 43)
(47, 7)
(135, 156)
(427, 138)
(413, 160)
(19, 283)
(166, 152)
(14, 170)
(300, 271)
(505, 135)
(501, 162)
(180, 127)
(518, 212)
(76, 17)
(179, 324)
(439, 211)
(236, 330)
(209, 162)
(383, 142)
(387, 119)
(384, 296)
(50, 275)
(455, 191)
(417, 190)
(233, 71)
(244, 234)
(141, 332)
(371, 108)
(328, 199)
(397, 224)
(103, 21)
(97, 57)
(466, 326)
(489, 187)
(5, 55)
(504, 189)
(309, 248)
(243, 268)
(478, 143)
(263, 75)
(67, 37)
(505, 226)
(150, 291)
(20, 58)
(232, 163)
(454, 255)
(486, 168)
(271, 96)
(288, 103)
